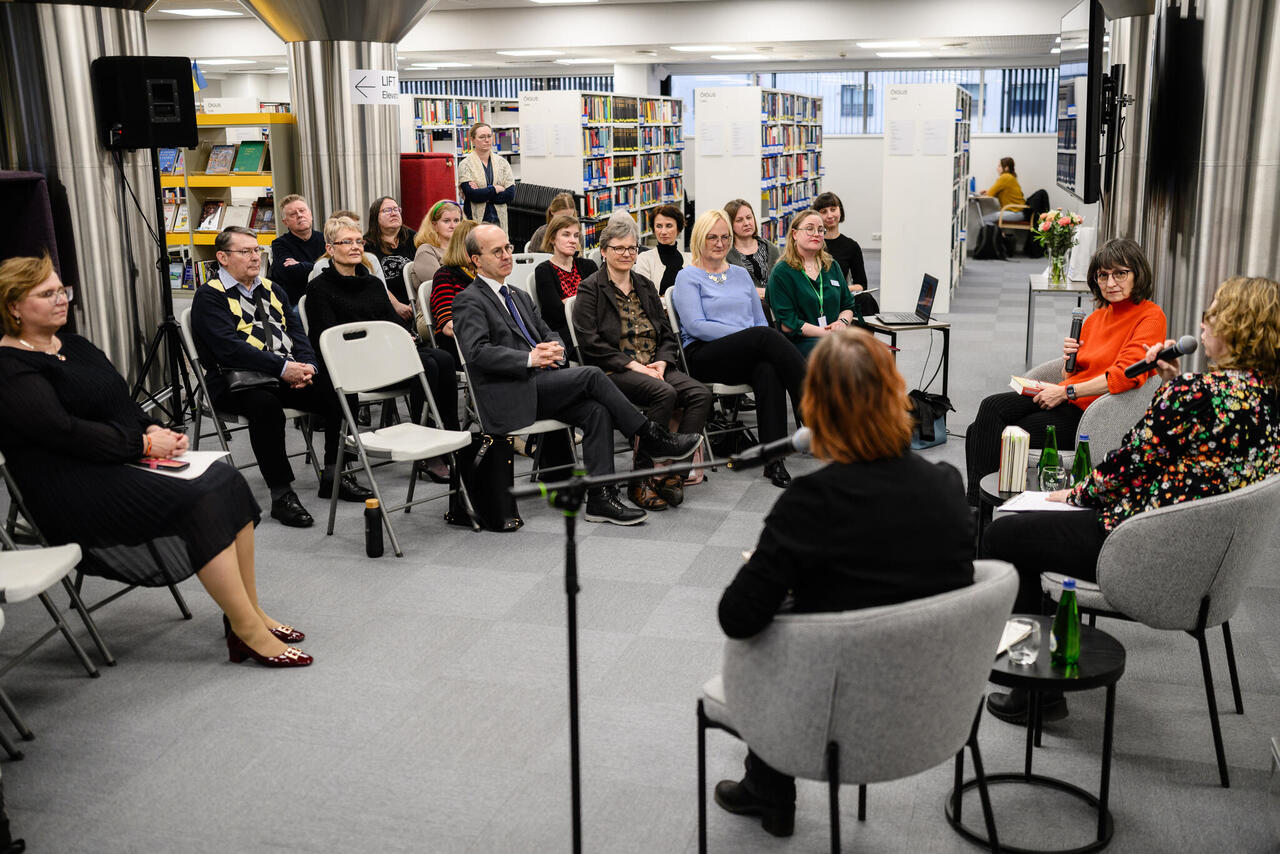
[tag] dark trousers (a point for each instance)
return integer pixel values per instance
(443, 382)
(1066, 541)
(264, 408)
(766, 783)
(659, 399)
(766, 360)
(982, 441)
(584, 397)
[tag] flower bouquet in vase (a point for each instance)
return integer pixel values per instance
(1056, 232)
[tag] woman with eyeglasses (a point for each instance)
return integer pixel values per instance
(390, 241)
(558, 278)
(69, 431)
(1204, 434)
(807, 290)
(1123, 325)
(485, 179)
(726, 337)
(623, 329)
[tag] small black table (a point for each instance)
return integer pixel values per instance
(1101, 665)
(990, 497)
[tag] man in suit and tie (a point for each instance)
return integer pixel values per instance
(518, 368)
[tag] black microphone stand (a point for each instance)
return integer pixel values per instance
(567, 496)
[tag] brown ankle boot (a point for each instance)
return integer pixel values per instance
(642, 495)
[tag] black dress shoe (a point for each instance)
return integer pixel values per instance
(349, 489)
(777, 473)
(603, 506)
(776, 819)
(746, 403)
(660, 444)
(1012, 707)
(289, 510)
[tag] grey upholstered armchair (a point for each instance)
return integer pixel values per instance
(1109, 417)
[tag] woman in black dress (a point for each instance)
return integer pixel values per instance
(69, 429)
(846, 252)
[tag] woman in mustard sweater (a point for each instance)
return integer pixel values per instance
(1113, 337)
(1006, 191)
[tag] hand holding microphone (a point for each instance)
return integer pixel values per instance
(1166, 354)
(1072, 342)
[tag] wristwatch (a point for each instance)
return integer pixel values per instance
(1071, 392)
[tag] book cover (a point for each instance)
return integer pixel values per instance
(264, 214)
(180, 165)
(170, 209)
(220, 159)
(237, 215)
(210, 216)
(1024, 386)
(250, 157)
(181, 218)
(167, 158)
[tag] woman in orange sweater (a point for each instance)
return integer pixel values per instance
(1113, 337)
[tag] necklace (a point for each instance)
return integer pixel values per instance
(24, 343)
(718, 278)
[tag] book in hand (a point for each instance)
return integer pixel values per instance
(1026, 387)
(250, 157)
(211, 216)
(220, 159)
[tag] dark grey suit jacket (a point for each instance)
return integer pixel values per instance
(497, 354)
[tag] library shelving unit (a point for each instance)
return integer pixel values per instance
(762, 145)
(621, 152)
(441, 122)
(195, 186)
(926, 181)
(1071, 151)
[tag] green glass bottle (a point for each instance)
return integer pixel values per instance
(1064, 637)
(1049, 456)
(1081, 462)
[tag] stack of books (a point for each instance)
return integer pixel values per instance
(1015, 447)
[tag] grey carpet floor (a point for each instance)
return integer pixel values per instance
(435, 718)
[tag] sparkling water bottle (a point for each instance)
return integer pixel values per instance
(1064, 637)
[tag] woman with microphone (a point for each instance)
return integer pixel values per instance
(1113, 337)
(1204, 434)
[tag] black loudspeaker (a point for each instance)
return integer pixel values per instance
(144, 102)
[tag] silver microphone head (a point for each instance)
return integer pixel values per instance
(1077, 312)
(1187, 344)
(801, 440)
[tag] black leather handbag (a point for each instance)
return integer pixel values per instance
(244, 379)
(487, 467)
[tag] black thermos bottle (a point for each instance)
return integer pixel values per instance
(372, 528)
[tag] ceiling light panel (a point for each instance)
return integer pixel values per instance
(531, 52)
(701, 48)
(203, 13)
(889, 45)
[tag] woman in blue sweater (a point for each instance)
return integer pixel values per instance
(726, 337)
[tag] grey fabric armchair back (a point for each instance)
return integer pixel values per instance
(894, 686)
(1157, 567)
(1109, 417)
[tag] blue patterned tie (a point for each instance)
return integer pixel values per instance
(511, 307)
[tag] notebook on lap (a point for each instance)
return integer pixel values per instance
(924, 307)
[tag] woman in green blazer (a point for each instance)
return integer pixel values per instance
(806, 288)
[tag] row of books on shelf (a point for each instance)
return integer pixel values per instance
(597, 109)
(505, 141)
(654, 111)
(961, 166)
(661, 137)
(1066, 168)
(1067, 134)
(250, 156)
(273, 107)
(596, 173)
(962, 136)
(776, 139)
(597, 203)
(187, 274)
(597, 140)
(217, 214)
(783, 106)
(599, 172)
(459, 113)
(789, 167)
(641, 195)
(591, 233)
(788, 198)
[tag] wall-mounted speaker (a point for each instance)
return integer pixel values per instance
(144, 102)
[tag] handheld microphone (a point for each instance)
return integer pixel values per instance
(1077, 321)
(763, 454)
(1184, 345)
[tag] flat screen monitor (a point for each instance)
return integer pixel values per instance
(1080, 78)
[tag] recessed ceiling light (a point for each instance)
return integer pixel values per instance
(561, 2)
(701, 48)
(887, 45)
(1056, 50)
(730, 57)
(903, 54)
(583, 60)
(533, 52)
(224, 61)
(281, 68)
(202, 13)
(434, 65)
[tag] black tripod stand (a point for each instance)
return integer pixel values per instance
(567, 496)
(175, 378)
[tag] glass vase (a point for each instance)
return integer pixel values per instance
(1058, 268)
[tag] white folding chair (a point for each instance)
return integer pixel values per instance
(12, 712)
(531, 288)
(389, 415)
(371, 355)
(203, 408)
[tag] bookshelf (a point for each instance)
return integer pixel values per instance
(621, 152)
(441, 122)
(1071, 149)
(195, 187)
(762, 145)
(926, 185)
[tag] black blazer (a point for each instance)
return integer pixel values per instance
(497, 354)
(599, 325)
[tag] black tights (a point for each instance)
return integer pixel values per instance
(761, 357)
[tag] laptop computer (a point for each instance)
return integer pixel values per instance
(924, 307)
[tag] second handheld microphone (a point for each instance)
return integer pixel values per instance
(1077, 321)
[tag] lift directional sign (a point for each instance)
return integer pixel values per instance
(374, 86)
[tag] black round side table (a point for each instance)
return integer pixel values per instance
(989, 498)
(1101, 665)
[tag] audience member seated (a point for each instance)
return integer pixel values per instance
(726, 337)
(623, 329)
(455, 273)
(346, 293)
(1204, 434)
(558, 278)
(294, 252)
(855, 402)
(432, 238)
(390, 241)
(749, 251)
(1114, 336)
(662, 266)
(69, 429)
(485, 179)
(846, 252)
(242, 322)
(806, 289)
(517, 367)
(1007, 191)
(370, 263)
(562, 203)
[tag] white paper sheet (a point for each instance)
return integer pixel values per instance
(711, 139)
(199, 462)
(1032, 500)
(937, 137)
(902, 137)
(533, 140)
(742, 137)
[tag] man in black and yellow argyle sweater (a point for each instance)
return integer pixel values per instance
(242, 322)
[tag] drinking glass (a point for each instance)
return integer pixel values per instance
(1025, 651)
(1053, 478)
